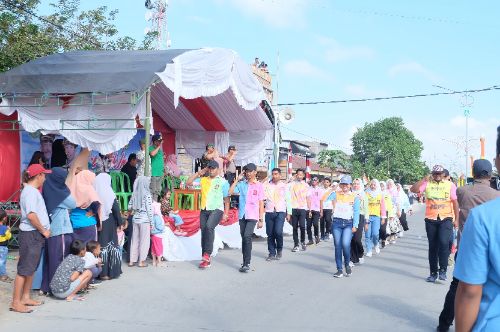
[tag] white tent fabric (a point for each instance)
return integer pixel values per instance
(209, 72)
(252, 145)
(116, 114)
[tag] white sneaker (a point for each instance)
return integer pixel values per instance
(351, 264)
(369, 254)
(377, 249)
(362, 260)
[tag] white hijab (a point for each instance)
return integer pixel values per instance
(105, 192)
(141, 190)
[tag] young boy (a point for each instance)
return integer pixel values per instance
(71, 276)
(92, 260)
(5, 236)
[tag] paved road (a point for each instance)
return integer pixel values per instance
(298, 293)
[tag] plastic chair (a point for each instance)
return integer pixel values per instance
(120, 182)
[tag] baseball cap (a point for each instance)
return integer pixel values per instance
(481, 167)
(438, 169)
(446, 172)
(210, 145)
(231, 147)
(213, 164)
(36, 169)
(250, 167)
(346, 179)
(157, 137)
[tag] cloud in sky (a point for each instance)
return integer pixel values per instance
(304, 68)
(199, 19)
(277, 13)
(413, 68)
(361, 91)
(336, 52)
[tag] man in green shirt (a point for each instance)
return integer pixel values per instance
(157, 166)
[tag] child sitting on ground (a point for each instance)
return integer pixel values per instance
(71, 276)
(157, 228)
(5, 236)
(167, 211)
(92, 260)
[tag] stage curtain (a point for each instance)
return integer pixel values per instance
(10, 158)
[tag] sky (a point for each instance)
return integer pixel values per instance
(321, 50)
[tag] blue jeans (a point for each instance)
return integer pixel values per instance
(372, 234)
(274, 231)
(342, 235)
(3, 260)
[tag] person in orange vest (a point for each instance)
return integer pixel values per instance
(441, 216)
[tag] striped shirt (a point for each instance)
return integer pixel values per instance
(145, 213)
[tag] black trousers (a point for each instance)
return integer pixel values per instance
(439, 233)
(326, 222)
(208, 221)
(247, 226)
(312, 222)
(403, 221)
(299, 221)
(357, 250)
(383, 231)
(448, 313)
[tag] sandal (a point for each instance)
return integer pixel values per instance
(76, 298)
(27, 311)
(145, 265)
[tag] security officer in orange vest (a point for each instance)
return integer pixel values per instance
(441, 216)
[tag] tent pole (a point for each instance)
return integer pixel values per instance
(147, 128)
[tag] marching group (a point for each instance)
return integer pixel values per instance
(74, 218)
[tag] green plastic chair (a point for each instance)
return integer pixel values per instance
(119, 182)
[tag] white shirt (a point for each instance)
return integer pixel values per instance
(31, 201)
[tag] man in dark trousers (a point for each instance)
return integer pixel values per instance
(468, 197)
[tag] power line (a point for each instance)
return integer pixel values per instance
(21, 7)
(420, 95)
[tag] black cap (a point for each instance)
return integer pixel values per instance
(250, 167)
(157, 137)
(231, 147)
(213, 164)
(446, 172)
(481, 167)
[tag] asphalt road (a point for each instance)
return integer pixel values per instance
(298, 293)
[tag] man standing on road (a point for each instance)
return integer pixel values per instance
(441, 215)
(214, 207)
(250, 209)
(478, 291)
(277, 205)
(300, 205)
(157, 166)
(314, 196)
(325, 213)
(468, 196)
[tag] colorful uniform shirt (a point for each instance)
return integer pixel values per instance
(315, 194)
(298, 194)
(277, 197)
(213, 192)
(346, 206)
(251, 194)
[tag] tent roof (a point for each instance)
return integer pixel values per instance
(87, 71)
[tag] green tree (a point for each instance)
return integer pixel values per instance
(387, 149)
(26, 35)
(335, 159)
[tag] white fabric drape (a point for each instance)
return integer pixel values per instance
(253, 146)
(118, 113)
(209, 72)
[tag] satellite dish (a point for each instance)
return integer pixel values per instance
(287, 115)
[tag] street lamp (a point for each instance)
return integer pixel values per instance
(466, 101)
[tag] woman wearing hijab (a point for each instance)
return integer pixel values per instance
(376, 215)
(58, 201)
(108, 236)
(405, 208)
(140, 205)
(357, 250)
(393, 225)
(389, 213)
(85, 217)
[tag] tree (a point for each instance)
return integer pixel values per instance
(335, 159)
(387, 149)
(25, 35)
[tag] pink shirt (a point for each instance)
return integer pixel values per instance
(275, 194)
(315, 195)
(255, 194)
(453, 190)
(298, 194)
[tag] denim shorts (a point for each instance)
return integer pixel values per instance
(70, 290)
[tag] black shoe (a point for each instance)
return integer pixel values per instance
(270, 258)
(442, 328)
(432, 278)
(442, 275)
(310, 243)
(278, 255)
(317, 239)
(244, 268)
(338, 274)
(348, 271)
(304, 247)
